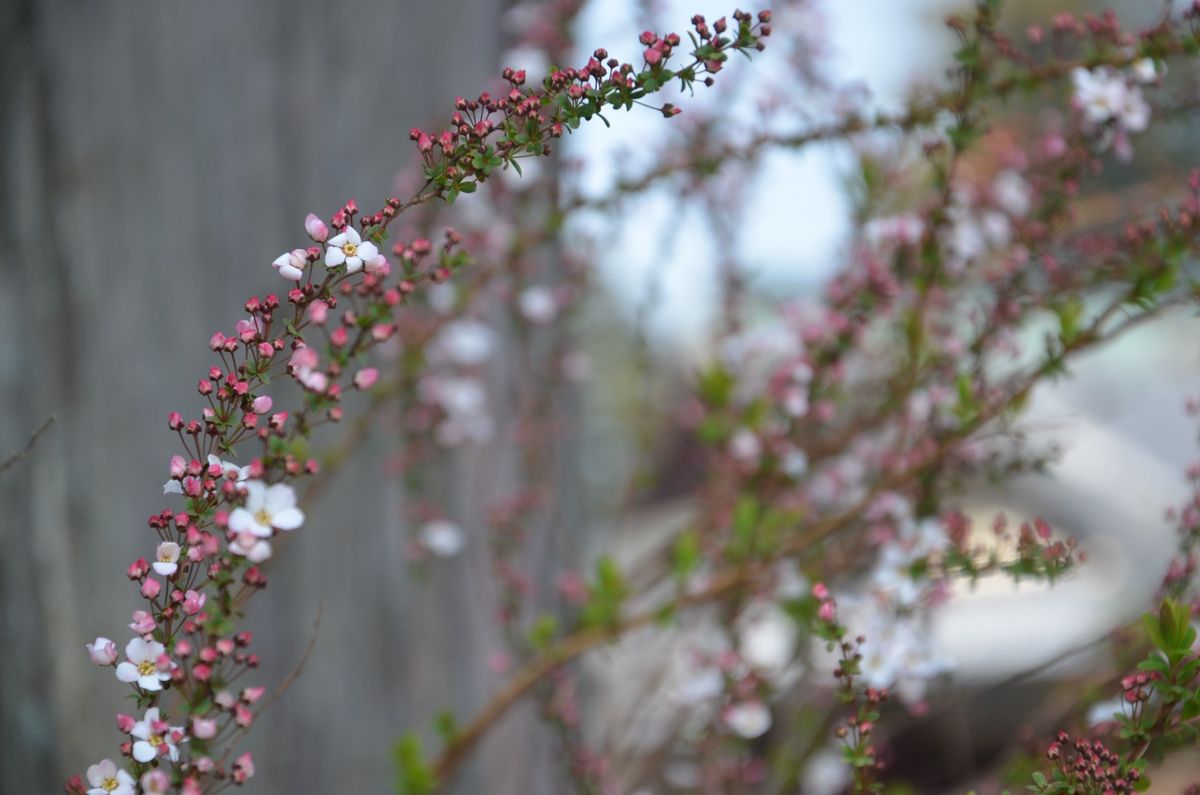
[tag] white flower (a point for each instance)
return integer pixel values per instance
(442, 297)
(826, 773)
(748, 719)
(166, 559)
(767, 638)
(141, 665)
(1104, 95)
(155, 737)
(745, 446)
(267, 508)
(465, 343)
(1107, 711)
(290, 264)
(350, 250)
(443, 538)
(1011, 193)
(106, 779)
(537, 305)
(1144, 71)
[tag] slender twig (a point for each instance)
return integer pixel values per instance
(17, 456)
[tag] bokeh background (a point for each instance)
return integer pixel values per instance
(156, 155)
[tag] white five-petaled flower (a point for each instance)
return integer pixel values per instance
(153, 737)
(290, 264)
(166, 559)
(443, 538)
(141, 665)
(267, 508)
(349, 249)
(748, 719)
(106, 779)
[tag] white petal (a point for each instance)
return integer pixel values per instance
(338, 240)
(172, 487)
(149, 683)
(354, 264)
(288, 519)
(279, 497)
(334, 257)
(255, 492)
(127, 672)
(164, 569)
(138, 650)
(144, 751)
(352, 235)
(240, 520)
(367, 251)
(291, 272)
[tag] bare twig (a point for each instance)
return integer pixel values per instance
(284, 685)
(17, 456)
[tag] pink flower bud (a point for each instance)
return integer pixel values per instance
(174, 420)
(366, 378)
(225, 647)
(204, 728)
(225, 699)
(202, 672)
(183, 648)
(318, 312)
(316, 228)
(819, 591)
(138, 569)
(125, 723)
(242, 715)
(178, 466)
(150, 588)
(826, 612)
(266, 350)
(252, 694)
(103, 651)
(243, 768)
(155, 781)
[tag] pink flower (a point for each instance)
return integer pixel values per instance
(150, 587)
(143, 622)
(262, 404)
(155, 782)
(243, 768)
(193, 602)
(103, 651)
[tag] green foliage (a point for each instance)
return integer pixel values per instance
(605, 596)
(413, 775)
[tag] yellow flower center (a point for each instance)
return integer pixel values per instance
(350, 249)
(109, 784)
(262, 517)
(155, 740)
(146, 668)
(164, 558)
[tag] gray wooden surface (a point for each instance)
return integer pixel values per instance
(156, 156)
